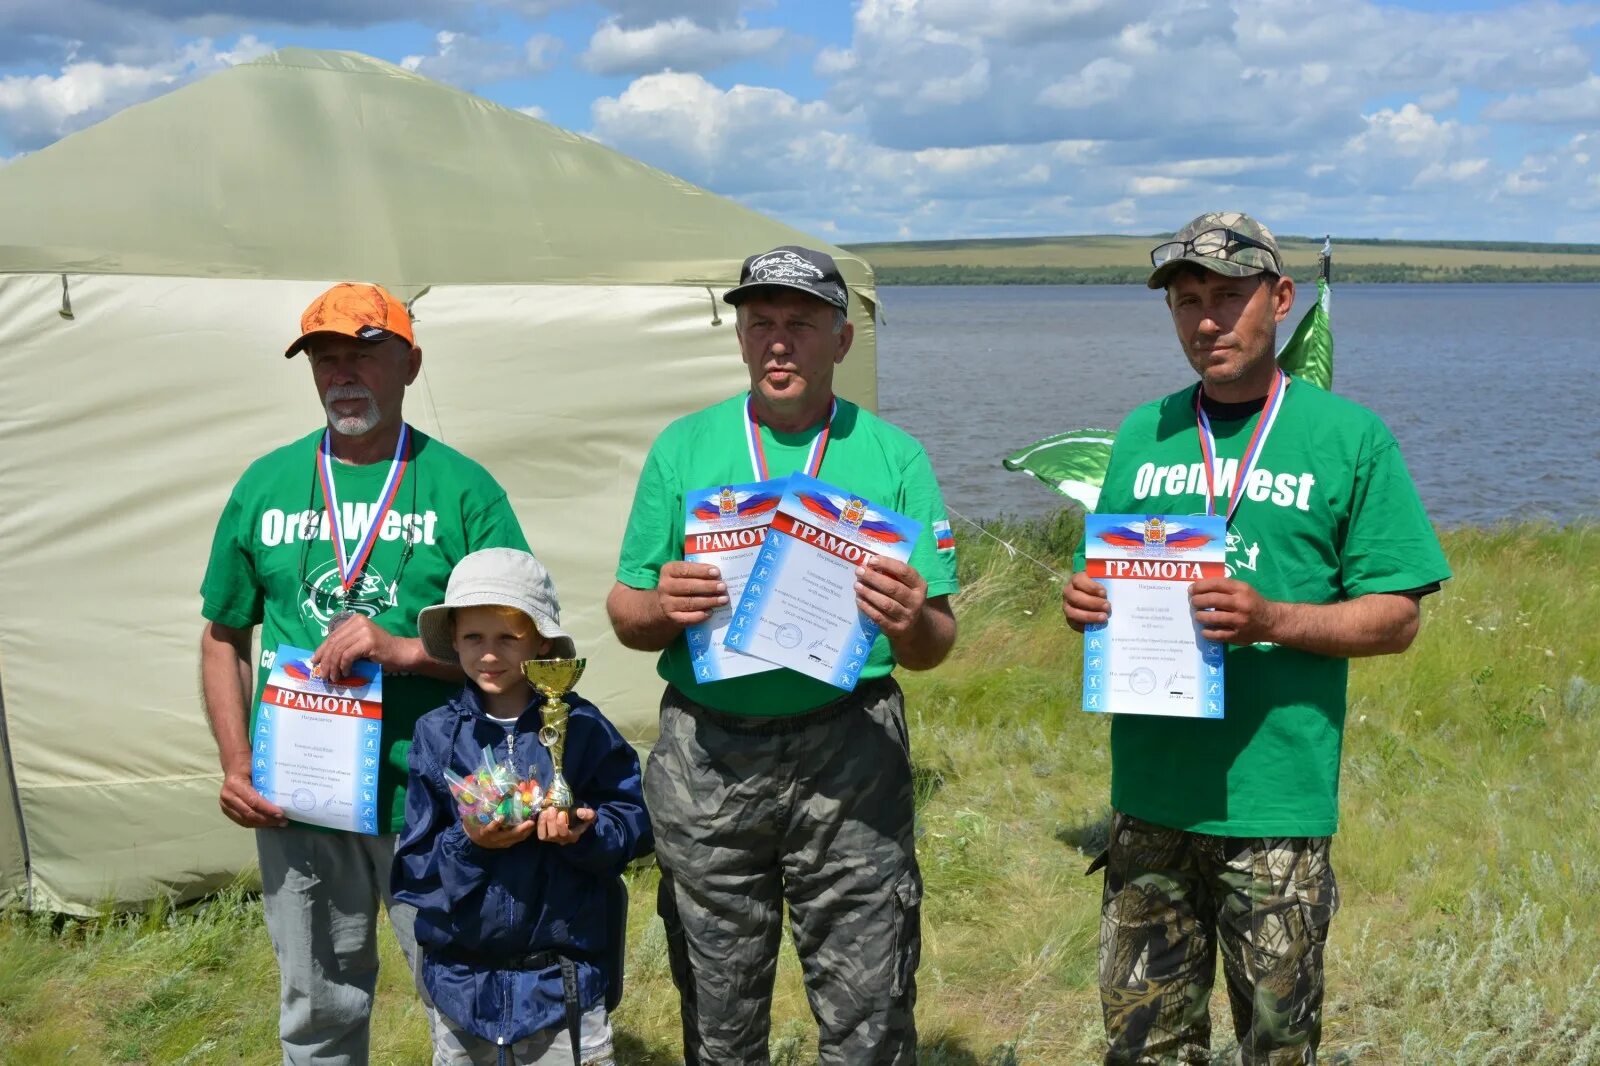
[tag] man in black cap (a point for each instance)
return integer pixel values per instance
(1222, 828)
(775, 787)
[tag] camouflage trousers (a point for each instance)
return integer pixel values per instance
(1171, 900)
(813, 811)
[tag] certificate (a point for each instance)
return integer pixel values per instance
(1149, 657)
(799, 608)
(316, 746)
(725, 527)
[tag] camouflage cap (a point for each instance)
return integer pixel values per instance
(1224, 242)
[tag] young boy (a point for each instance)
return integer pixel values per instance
(511, 919)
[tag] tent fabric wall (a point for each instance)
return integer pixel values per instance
(13, 856)
(127, 426)
(123, 427)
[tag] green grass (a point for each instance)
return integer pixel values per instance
(1469, 856)
(1125, 260)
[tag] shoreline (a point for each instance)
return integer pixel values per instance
(1350, 274)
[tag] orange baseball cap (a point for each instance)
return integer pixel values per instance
(352, 309)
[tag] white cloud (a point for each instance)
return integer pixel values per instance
(1442, 100)
(831, 62)
(677, 44)
(1128, 71)
(37, 109)
(1077, 152)
(985, 117)
(1528, 180)
(1028, 20)
(643, 12)
(541, 51)
(1226, 167)
(1567, 178)
(533, 111)
(1579, 103)
(1410, 132)
(1453, 173)
(1156, 185)
(1099, 82)
(146, 32)
(971, 84)
(690, 126)
(470, 61)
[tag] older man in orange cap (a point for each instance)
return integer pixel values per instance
(334, 542)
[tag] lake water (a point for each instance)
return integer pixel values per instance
(1491, 389)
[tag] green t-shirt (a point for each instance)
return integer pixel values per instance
(263, 572)
(865, 455)
(1329, 515)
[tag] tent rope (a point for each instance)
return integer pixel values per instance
(433, 408)
(1008, 546)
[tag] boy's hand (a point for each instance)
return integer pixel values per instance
(556, 828)
(497, 834)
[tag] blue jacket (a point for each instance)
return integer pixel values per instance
(525, 899)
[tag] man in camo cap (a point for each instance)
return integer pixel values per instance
(1221, 828)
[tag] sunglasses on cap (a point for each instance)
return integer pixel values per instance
(1217, 243)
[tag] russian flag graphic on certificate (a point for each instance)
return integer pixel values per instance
(317, 742)
(725, 525)
(798, 609)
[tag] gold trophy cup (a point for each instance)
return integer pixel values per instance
(554, 678)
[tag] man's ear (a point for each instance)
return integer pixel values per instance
(1283, 297)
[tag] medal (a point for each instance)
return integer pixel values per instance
(1252, 452)
(351, 564)
(758, 455)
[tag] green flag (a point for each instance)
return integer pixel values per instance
(1308, 354)
(1074, 463)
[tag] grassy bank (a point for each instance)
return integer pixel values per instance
(1469, 855)
(1115, 260)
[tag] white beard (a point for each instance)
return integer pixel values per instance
(351, 425)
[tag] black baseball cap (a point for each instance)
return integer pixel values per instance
(792, 267)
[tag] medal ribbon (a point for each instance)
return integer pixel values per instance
(350, 566)
(1252, 452)
(758, 455)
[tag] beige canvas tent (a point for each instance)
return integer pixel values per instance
(152, 269)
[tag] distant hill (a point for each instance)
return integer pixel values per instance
(1115, 259)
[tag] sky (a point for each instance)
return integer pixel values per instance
(933, 119)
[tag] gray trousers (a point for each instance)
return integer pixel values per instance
(454, 1046)
(815, 811)
(320, 892)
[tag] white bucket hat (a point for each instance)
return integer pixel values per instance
(496, 577)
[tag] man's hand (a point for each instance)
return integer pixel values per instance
(1084, 602)
(245, 806)
(497, 834)
(556, 828)
(1232, 611)
(689, 592)
(891, 594)
(357, 637)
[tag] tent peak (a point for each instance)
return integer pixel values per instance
(327, 59)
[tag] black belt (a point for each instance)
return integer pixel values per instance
(767, 725)
(538, 960)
